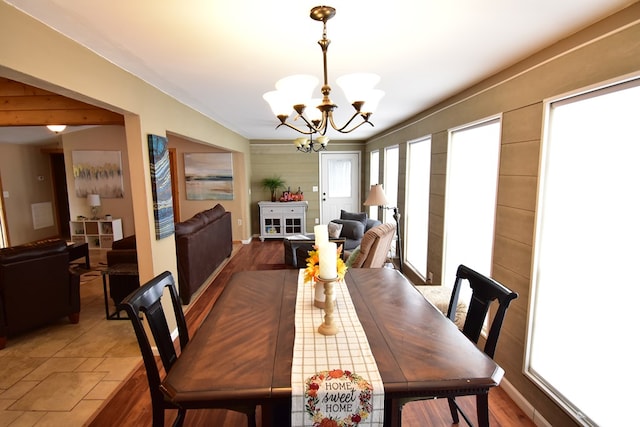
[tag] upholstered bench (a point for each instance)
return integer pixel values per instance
(440, 296)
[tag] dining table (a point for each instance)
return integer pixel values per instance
(243, 350)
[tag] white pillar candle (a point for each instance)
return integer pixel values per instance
(328, 260)
(321, 232)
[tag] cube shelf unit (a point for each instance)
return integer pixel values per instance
(280, 219)
(98, 233)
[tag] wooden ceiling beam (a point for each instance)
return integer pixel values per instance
(24, 105)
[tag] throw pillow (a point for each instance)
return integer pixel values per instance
(334, 230)
(359, 216)
(352, 257)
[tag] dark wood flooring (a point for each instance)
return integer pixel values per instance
(131, 405)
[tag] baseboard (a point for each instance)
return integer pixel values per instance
(524, 404)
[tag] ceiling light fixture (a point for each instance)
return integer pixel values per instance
(295, 92)
(56, 128)
(307, 145)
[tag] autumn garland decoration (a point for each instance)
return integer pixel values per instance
(313, 265)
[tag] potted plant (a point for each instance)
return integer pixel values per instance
(273, 184)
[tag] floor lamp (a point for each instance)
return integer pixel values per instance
(377, 197)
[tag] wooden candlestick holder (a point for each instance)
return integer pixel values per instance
(328, 327)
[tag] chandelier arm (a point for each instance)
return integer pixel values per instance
(289, 125)
(307, 123)
(342, 129)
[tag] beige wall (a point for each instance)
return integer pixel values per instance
(20, 167)
(100, 138)
(297, 169)
(188, 208)
(76, 72)
(605, 51)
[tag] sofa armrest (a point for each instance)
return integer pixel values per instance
(122, 256)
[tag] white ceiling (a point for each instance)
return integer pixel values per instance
(220, 57)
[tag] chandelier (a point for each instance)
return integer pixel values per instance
(294, 92)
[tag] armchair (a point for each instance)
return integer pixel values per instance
(36, 287)
(374, 248)
(122, 251)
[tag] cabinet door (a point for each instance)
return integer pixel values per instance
(293, 225)
(273, 226)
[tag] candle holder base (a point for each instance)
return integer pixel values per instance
(328, 327)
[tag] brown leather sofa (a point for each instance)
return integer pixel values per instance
(202, 243)
(36, 287)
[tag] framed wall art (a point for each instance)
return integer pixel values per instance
(161, 186)
(98, 172)
(208, 176)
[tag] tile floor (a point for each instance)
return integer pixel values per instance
(62, 374)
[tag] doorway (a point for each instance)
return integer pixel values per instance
(60, 194)
(4, 238)
(339, 184)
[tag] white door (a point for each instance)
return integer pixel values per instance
(339, 184)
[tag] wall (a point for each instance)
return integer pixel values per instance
(608, 50)
(188, 208)
(20, 166)
(78, 73)
(280, 158)
(100, 138)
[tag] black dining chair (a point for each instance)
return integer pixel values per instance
(146, 301)
(484, 291)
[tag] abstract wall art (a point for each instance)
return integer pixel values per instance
(209, 176)
(161, 186)
(98, 172)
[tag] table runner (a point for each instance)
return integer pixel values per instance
(341, 363)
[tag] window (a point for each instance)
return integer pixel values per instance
(374, 178)
(470, 199)
(417, 206)
(583, 322)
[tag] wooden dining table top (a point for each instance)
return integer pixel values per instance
(244, 348)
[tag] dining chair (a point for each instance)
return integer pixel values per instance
(146, 301)
(484, 292)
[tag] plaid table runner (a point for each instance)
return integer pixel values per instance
(333, 377)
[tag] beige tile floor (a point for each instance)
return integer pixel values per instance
(61, 374)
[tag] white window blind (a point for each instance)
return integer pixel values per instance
(583, 321)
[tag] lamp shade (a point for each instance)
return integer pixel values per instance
(93, 199)
(358, 86)
(376, 196)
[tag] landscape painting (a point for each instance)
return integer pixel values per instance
(161, 186)
(209, 176)
(98, 172)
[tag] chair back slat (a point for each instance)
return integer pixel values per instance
(484, 292)
(146, 300)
